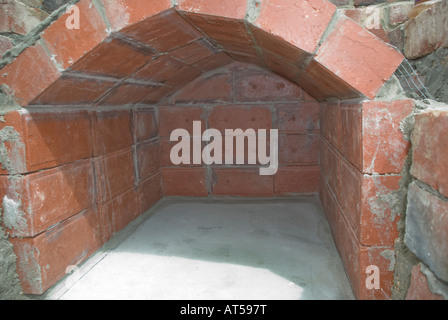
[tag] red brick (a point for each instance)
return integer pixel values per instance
(330, 114)
(351, 134)
(330, 165)
(231, 9)
(164, 32)
(296, 180)
(298, 118)
(357, 14)
(172, 118)
(280, 66)
(371, 208)
(383, 257)
(159, 69)
(379, 215)
(53, 139)
(145, 124)
(430, 154)
(127, 94)
(241, 182)
(112, 130)
(14, 147)
(300, 23)
(123, 210)
(323, 84)
(298, 149)
(43, 260)
(123, 13)
(73, 91)
(213, 88)
(158, 95)
(250, 57)
(265, 86)
(150, 191)
(213, 62)
(183, 76)
(148, 159)
(277, 46)
(240, 117)
(349, 194)
(384, 146)
(108, 59)
(115, 174)
(231, 34)
(350, 51)
(40, 73)
(194, 51)
(356, 258)
(330, 206)
(69, 45)
(47, 197)
(419, 288)
(165, 153)
(190, 182)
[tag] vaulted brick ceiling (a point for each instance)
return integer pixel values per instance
(141, 51)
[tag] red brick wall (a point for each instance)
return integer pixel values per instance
(246, 97)
(362, 155)
(84, 177)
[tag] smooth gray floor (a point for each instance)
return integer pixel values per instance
(223, 249)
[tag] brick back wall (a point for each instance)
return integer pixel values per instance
(84, 176)
(243, 96)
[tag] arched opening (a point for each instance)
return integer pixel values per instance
(98, 103)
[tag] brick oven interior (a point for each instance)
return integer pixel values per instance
(94, 207)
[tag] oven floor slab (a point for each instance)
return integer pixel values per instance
(233, 249)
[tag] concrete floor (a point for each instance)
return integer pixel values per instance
(231, 249)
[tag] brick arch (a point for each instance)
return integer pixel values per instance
(139, 52)
(142, 51)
